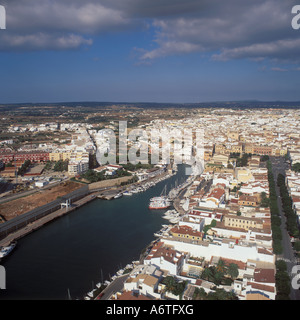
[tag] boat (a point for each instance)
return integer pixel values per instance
(160, 202)
(91, 293)
(162, 231)
(120, 272)
(175, 220)
(159, 205)
(6, 250)
(171, 214)
(117, 196)
(127, 193)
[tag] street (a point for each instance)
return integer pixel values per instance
(116, 286)
(278, 167)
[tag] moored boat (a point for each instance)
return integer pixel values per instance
(6, 250)
(159, 204)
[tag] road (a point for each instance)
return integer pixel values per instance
(278, 167)
(116, 286)
(11, 197)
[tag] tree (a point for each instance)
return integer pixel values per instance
(218, 276)
(297, 245)
(296, 167)
(264, 158)
(264, 202)
(61, 165)
(221, 294)
(283, 283)
(173, 286)
(281, 265)
(233, 271)
(199, 294)
(93, 163)
(207, 274)
(170, 283)
(221, 266)
(24, 167)
(209, 226)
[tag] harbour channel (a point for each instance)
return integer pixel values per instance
(70, 255)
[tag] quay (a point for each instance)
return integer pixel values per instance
(32, 226)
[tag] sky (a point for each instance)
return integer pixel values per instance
(182, 51)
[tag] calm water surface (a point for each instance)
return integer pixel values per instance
(80, 249)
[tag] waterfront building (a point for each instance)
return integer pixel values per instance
(215, 198)
(165, 258)
(145, 280)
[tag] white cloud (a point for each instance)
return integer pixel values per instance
(231, 30)
(287, 49)
(279, 69)
(40, 41)
(57, 24)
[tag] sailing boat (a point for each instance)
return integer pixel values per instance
(69, 295)
(161, 202)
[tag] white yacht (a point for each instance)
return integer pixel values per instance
(6, 250)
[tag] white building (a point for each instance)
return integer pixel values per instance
(165, 258)
(227, 249)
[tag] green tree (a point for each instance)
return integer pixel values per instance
(208, 274)
(264, 202)
(283, 283)
(209, 226)
(233, 271)
(199, 294)
(296, 167)
(281, 265)
(297, 245)
(170, 283)
(221, 266)
(61, 166)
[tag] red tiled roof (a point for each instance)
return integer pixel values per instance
(216, 193)
(264, 275)
(186, 230)
(261, 287)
